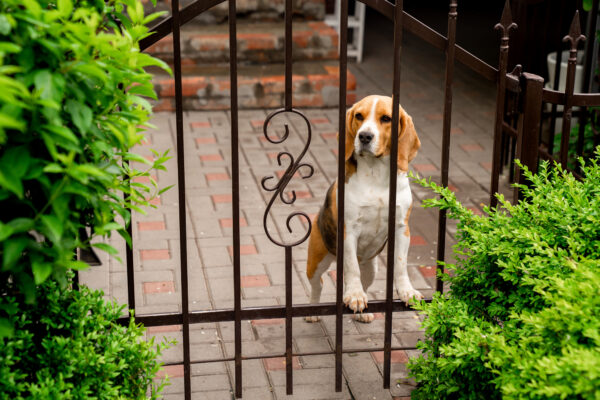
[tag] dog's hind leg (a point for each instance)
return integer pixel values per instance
(318, 261)
(368, 270)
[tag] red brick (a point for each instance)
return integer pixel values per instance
(435, 117)
(379, 315)
(278, 364)
(272, 155)
(416, 240)
(217, 177)
(416, 95)
(146, 142)
(424, 167)
(174, 371)
(329, 135)
(428, 271)
(300, 194)
(333, 275)
(398, 357)
(155, 201)
(273, 321)
(164, 328)
(475, 210)
(144, 179)
(335, 152)
(151, 159)
(317, 121)
(200, 124)
(205, 140)
(456, 131)
(162, 254)
(255, 281)
(453, 188)
(151, 226)
(257, 123)
(245, 249)
(228, 222)
(159, 287)
(221, 198)
(211, 157)
(486, 165)
(471, 147)
(401, 398)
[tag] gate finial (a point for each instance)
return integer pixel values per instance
(574, 35)
(506, 23)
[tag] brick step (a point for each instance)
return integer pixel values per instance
(257, 43)
(252, 10)
(315, 84)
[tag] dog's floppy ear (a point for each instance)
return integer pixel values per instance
(350, 134)
(408, 141)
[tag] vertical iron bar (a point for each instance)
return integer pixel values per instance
(129, 263)
(391, 257)
(573, 37)
(528, 134)
(505, 25)
(557, 69)
(288, 54)
(441, 247)
(235, 197)
(340, 194)
(289, 377)
(589, 50)
(181, 199)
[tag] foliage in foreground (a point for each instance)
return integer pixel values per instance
(71, 108)
(521, 320)
(70, 347)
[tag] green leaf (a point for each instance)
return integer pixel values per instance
(8, 122)
(5, 231)
(12, 251)
(41, 271)
(4, 25)
(65, 7)
(78, 265)
(80, 114)
(7, 329)
(7, 47)
(54, 228)
(106, 247)
(10, 182)
(147, 91)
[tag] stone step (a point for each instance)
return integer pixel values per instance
(256, 43)
(315, 84)
(253, 10)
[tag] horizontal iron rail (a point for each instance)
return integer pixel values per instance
(578, 99)
(302, 354)
(268, 312)
(412, 25)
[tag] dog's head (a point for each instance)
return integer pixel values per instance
(369, 131)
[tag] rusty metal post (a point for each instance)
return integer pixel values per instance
(574, 37)
(505, 25)
(529, 128)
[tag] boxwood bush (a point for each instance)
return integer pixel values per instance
(69, 346)
(73, 91)
(72, 106)
(521, 319)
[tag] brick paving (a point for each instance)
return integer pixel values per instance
(209, 239)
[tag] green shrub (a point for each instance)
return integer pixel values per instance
(522, 317)
(70, 347)
(71, 108)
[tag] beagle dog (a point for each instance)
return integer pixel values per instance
(368, 144)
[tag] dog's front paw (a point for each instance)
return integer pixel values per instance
(364, 317)
(312, 318)
(407, 293)
(355, 299)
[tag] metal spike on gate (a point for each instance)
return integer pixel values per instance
(574, 35)
(506, 23)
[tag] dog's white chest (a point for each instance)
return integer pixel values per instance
(366, 209)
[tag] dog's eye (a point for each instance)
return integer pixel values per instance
(384, 119)
(359, 116)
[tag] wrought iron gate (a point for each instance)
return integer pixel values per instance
(526, 135)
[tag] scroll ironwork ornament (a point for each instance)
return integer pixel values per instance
(505, 25)
(293, 167)
(574, 35)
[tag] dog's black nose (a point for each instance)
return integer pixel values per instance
(365, 137)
